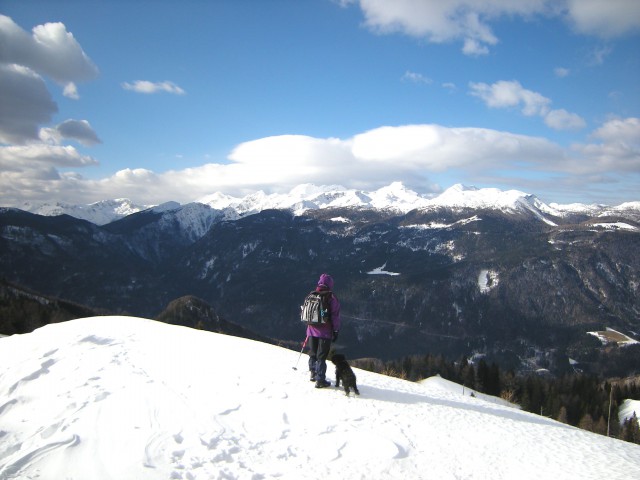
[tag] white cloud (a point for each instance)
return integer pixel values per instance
(26, 103)
(146, 87)
(504, 94)
(563, 120)
(604, 19)
(474, 47)
(442, 21)
(598, 55)
(25, 157)
(79, 130)
(71, 91)
(618, 151)
(413, 154)
(620, 130)
(49, 50)
(511, 94)
(416, 78)
(469, 21)
(406, 153)
(561, 72)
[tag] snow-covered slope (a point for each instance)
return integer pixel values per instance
(394, 196)
(127, 398)
(100, 213)
(400, 198)
(305, 197)
(310, 197)
(460, 196)
(628, 409)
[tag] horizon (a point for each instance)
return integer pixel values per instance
(173, 101)
(299, 192)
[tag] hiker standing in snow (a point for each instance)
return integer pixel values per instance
(321, 335)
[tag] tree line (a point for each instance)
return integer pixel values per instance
(583, 400)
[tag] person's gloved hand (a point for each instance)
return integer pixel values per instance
(335, 335)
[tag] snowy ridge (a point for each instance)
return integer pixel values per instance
(100, 213)
(128, 398)
(395, 197)
(193, 219)
(311, 197)
(597, 210)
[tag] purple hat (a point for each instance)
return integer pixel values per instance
(326, 280)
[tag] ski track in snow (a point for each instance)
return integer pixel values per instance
(124, 398)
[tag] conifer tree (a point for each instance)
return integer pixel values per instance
(586, 423)
(601, 426)
(631, 430)
(562, 415)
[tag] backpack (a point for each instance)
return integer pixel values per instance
(315, 309)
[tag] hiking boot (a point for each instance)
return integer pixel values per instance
(322, 384)
(313, 376)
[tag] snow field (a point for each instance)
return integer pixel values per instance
(128, 398)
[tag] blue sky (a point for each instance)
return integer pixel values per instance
(174, 100)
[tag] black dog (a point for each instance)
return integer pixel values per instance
(344, 373)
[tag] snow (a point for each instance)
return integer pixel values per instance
(395, 197)
(437, 382)
(596, 209)
(127, 398)
(166, 207)
(612, 336)
(99, 213)
(616, 226)
(442, 226)
(627, 409)
(574, 208)
(381, 271)
(487, 280)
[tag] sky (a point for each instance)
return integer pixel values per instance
(128, 398)
(164, 100)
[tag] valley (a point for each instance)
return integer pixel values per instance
(477, 271)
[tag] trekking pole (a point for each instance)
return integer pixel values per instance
(304, 344)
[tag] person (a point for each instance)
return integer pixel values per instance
(320, 336)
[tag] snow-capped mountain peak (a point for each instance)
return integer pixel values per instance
(462, 196)
(166, 207)
(396, 197)
(100, 213)
(310, 197)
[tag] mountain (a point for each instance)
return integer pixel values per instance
(22, 311)
(122, 397)
(190, 311)
(474, 270)
(395, 197)
(100, 213)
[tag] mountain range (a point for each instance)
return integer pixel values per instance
(395, 197)
(472, 270)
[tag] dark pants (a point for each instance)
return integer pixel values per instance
(318, 353)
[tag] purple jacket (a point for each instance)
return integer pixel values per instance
(326, 329)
